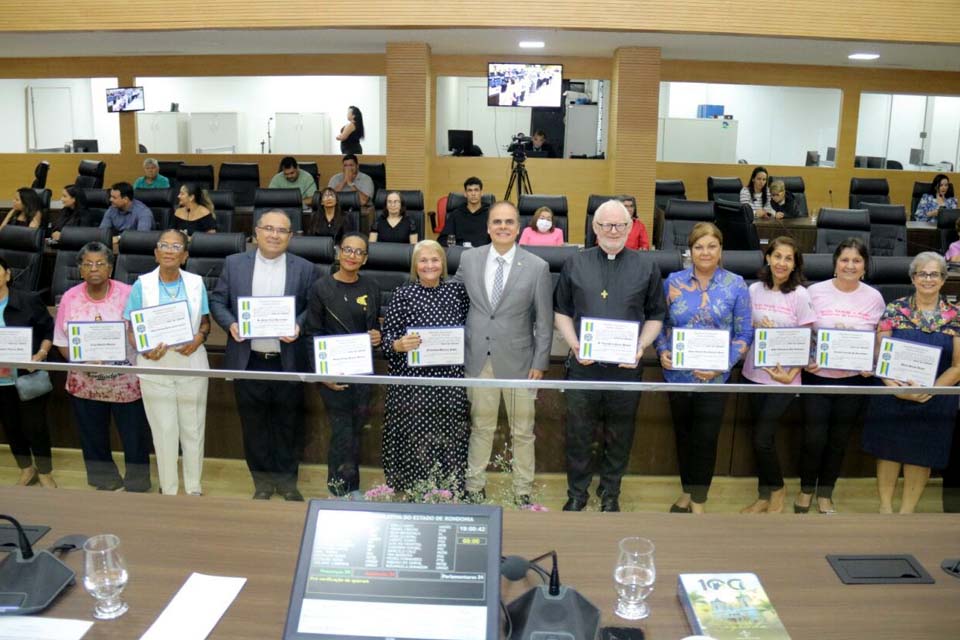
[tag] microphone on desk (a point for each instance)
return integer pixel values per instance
(30, 580)
(830, 193)
(549, 610)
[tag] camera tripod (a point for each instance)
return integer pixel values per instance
(518, 177)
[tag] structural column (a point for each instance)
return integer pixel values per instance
(632, 146)
(408, 115)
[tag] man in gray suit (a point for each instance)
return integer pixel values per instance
(508, 335)
(271, 413)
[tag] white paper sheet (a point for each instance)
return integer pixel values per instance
(196, 609)
(39, 628)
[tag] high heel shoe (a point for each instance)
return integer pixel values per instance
(828, 511)
(677, 509)
(46, 480)
(798, 509)
(27, 477)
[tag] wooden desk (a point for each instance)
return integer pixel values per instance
(803, 230)
(167, 538)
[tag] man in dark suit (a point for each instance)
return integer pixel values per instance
(271, 413)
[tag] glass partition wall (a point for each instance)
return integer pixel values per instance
(913, 132)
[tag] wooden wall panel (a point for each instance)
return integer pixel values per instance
(408, 114)
(854, 20)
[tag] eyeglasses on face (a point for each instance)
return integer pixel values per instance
(93, 265)
(170, 246)
(350, 251)
(611, 226)
(928, 275)
(271, 230)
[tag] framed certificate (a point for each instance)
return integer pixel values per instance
(97, 341)
(267, 317)
(700, 349)
(439, 346)
(16, 344)
(786, 346)
(907, 361)
(345, 355)
(609, 340)
(845, 349)
(167, 324)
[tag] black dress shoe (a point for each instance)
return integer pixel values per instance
(610, 504)
(292, 495)
(677, 509)
(575, 504)
(262, 494)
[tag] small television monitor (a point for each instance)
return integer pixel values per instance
(524, 85)
(85, 146)
(125, 99)
(916, 157)
(831, 154)
(813, 159)
(378, 570)
(460, 141)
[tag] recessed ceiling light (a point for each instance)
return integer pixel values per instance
(531, 44)
(863, 56)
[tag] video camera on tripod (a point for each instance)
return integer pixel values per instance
(518, 170)
(518, 148)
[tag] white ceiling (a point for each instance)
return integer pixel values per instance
(499, 42)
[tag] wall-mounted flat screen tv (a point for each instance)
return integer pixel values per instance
(125, 99)
(524, 85)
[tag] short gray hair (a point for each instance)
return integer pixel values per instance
(924, 258)
(150, 162)
(614, 205)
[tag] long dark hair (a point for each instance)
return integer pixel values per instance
(77, 194)
(200, 196)
(935, 185)
(31, 203)
(796, 276)
(318, 220)
(753, 175)
(357, 121)
(403, 205)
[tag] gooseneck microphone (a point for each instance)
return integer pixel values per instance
(26, 551)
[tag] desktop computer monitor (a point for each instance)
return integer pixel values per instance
(460, 141)
(85, 146)
(916, 157)
(860, 162)
(813, 159)
(831, 154)
(875, 162)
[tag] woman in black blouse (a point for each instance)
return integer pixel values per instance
(329, 219)
(25, 421)
(27, 210)
(74, 212)
(195, 213)
(393, 225)
(352, 133)
(340, 304)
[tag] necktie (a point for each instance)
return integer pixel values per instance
(497, 283)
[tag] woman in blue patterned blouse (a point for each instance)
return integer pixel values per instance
(705, 296)
(940, 197)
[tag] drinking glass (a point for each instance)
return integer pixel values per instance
(634, 576)
(105, 575)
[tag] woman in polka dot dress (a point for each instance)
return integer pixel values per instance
(427, 429)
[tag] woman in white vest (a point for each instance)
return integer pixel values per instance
(176, 406)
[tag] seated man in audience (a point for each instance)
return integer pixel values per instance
(540, 148)
(125, 213)
(151, 178)
(350, 179)
(291, 177)
(467, 224)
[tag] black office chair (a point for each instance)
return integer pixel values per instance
(22, 248)
(745, 264)
(890, 275)
(453, 258)
(680, 218)
(888, 229)
(530, 202)
(919, 188)
(377, 173)
(735, 221)
(40, 175)
(66, 273)
(817, 267)
(168, 169)
(388, 265)
(457, 200)
(312, 169)
(667, 190)
(243, 178)
(668, 261)
(315, 249)
(593, 203)
(223, 208)
(200, 175)
(836, 225)
(90, 174)
(136, 256)
(947, 228)
(724, 188)
(554, 257)
(349, 201)
(98, 201)
(162, 202)
(795, 186)
(208, 253)
(46, 196)
(287, 200)
(895, 165)
(863, 190)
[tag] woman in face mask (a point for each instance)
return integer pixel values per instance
(542, 231)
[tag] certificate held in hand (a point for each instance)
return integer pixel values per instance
(16, 344)
(784, 346)
(343, 355)
(845, 349)
(701, 349)
(609, 340)
(439, 346)
(907, 361)
(97, 341)
(267, 316)
(167, 324)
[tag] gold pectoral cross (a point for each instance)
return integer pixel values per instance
(604, 294)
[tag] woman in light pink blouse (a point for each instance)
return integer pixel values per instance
(542, 232)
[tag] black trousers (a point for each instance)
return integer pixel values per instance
(826, 431)
(93, 423)
(271, 418)
(25, 424)
(767, 411)
(951, 475)
(697, 418)
(600, 428)
(348, 411)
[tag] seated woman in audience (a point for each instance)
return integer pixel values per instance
(541, 231)
(195, 213)
(351, 133)
(913, 431)
(340, 304)
(176, 406)
(74, 212)
(25, 421)
(940, 197)
(783, 202)
(757, 195)
(777, 299)
(94, 397)
(953, 251)
(844, 302)
(426, 430)
(151, 178)
(704, 296)
(393, 225)
(27, 210)
(637, 240)
(329, 219)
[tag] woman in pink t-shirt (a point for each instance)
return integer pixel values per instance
(777, 300)
(843, 302)
(542, 232)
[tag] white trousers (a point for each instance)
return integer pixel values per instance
(485, 410)
(176, 408)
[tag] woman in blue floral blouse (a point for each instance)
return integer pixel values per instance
(705, 296)
(940, 197)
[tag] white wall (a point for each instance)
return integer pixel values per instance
(944, 130)
(258, 98)
(873, 125)
(90, 117)
(776, 125)
(907, 116)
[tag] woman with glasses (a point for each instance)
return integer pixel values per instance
(95, 397)
(703, 296)
(329, 219)
(340, 304)
(394, 225)
(176, 406)
(913, 431)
